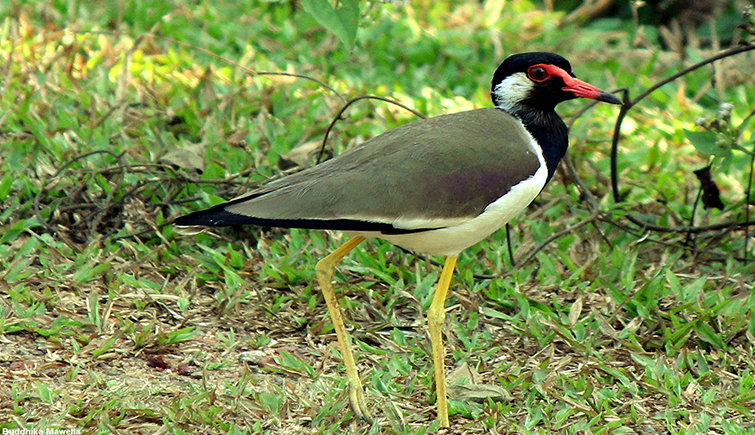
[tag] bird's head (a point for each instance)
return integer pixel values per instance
(539, 81)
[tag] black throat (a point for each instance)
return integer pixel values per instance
(549, 132)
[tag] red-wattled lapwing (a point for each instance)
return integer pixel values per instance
(435, 186)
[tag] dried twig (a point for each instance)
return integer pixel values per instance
(339, 116)
(628, 105)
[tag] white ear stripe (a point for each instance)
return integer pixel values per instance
(512, 90)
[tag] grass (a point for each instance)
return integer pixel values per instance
(115, 120)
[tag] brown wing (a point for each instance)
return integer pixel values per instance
(427, 174)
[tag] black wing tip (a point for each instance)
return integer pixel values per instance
(219, 217)
(212, 217)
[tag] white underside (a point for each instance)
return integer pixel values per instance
(451, 240)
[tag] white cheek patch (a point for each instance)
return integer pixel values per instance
(512, 90)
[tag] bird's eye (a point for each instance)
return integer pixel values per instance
(538, 73)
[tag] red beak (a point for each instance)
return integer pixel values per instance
(585, 90)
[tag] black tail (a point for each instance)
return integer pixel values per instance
(218, 216)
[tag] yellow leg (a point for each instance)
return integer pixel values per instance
(325, 269)
(435, 317)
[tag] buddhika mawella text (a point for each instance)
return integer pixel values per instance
(48, 431)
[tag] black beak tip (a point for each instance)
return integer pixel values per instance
(610, 98)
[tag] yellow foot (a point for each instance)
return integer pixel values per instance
(358, 404)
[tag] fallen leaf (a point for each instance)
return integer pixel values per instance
(190, 157)
(304, 155)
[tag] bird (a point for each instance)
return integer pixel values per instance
(434, 186)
